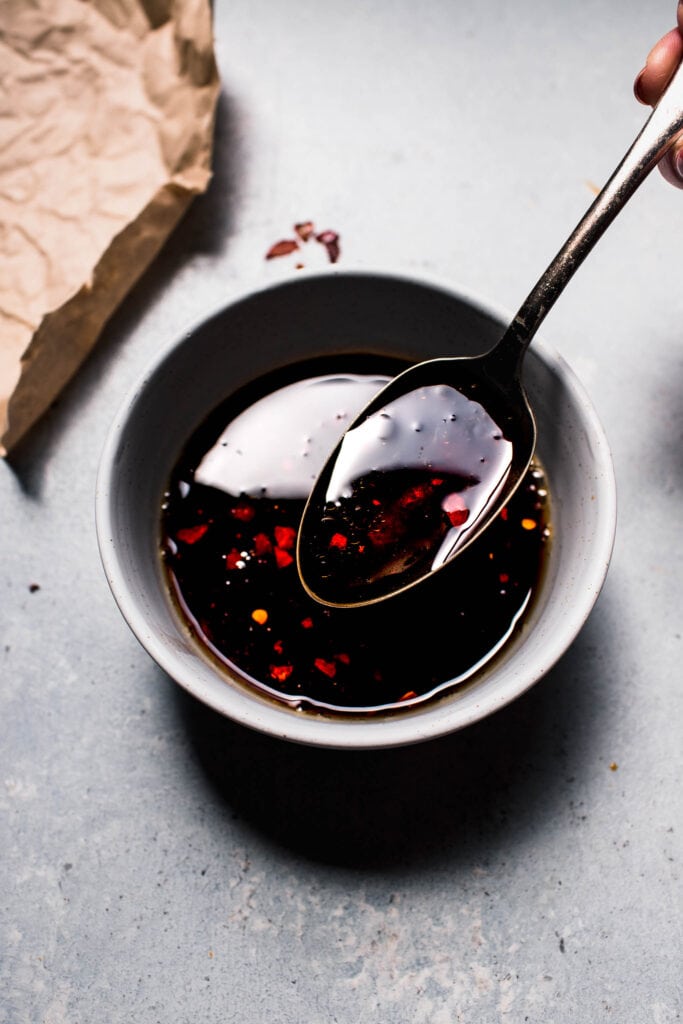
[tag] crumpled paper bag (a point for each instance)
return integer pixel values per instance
(106, 122)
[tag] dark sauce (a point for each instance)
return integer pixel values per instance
(229, 529)
(408, 486)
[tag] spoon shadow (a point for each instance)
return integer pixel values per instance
(204, 230)
(493, 784)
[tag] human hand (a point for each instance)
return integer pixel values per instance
(662, 61)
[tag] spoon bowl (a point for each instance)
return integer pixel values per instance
(405, 522)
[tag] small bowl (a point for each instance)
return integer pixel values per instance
(323, 315)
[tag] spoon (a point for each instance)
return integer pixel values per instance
(439, 451)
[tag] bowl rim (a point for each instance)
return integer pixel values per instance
(341, 733)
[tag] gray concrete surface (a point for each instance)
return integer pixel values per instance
(162, 865)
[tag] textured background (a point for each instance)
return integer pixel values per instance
(160, 864)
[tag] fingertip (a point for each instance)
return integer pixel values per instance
(672, 164)
(662, 61)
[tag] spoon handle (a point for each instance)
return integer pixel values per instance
(657, 134)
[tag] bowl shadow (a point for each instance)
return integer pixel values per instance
(495, 783)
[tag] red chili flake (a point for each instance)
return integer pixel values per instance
(191, 534)
(504, 514)
(285, 536)
(458, 517)
(282, 248)
(376, 501)
(414, 495)
(504, 578)
(243, 512)
(278, 647)
(328, 668)
(281, 672)
(437, 481)
(262, 544)
(304, 230)
(408, 695)
(344, 658)
(205, 628)
(338, 540)
(283, 558)
(307, 623)
(456, 509)
(330, 239)
(233, 559)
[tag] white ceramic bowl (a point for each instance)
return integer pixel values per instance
(346, 313)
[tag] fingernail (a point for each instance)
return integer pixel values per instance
(637, 85)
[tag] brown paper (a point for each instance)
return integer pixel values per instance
(106, 119)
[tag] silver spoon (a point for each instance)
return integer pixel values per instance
(435, 456)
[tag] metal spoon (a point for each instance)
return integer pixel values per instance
(435, 456)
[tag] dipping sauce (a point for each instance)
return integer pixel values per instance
(229, 528)
(408, 486)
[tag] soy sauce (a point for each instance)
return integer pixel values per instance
(229, 527)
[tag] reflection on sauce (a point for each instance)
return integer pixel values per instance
(408, 486)
(229, 528)
(276, 447)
